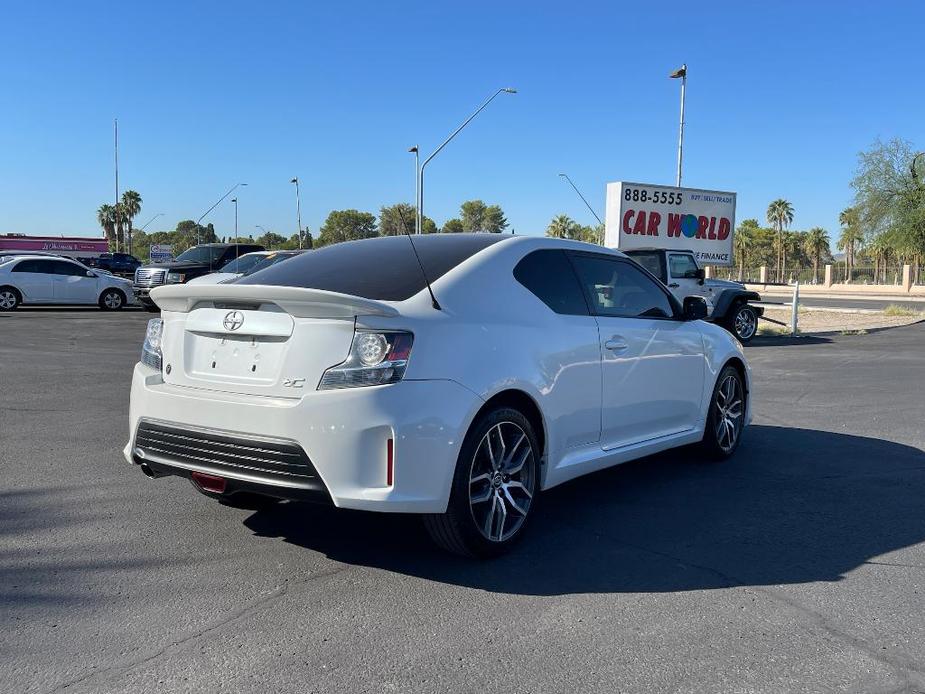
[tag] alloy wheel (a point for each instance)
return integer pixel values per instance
(7, 300)
(746, 323)
(501, 481)
(112, 300)
(730, 410)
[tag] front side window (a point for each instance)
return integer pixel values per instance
(619, 288)
(682, 266)
(548, 274)
(69, 269)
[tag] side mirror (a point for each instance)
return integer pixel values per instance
(695, 308)
(701, 275)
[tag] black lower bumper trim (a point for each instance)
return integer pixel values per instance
(318, 494)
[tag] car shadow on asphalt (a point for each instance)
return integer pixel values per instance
(793, 506)
(787, 341)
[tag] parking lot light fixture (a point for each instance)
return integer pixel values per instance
(298, 208)
(217, 203)
(680, 73)
(420, 215)
(145, 225)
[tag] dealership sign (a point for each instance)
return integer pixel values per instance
(640, 215)
(161, 253)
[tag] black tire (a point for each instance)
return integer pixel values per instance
(726, 416)
(111, 300)
(494, 493)
(742, 322)
(9, 299)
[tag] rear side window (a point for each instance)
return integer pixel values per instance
(382, 268)
(620, 288)
(70, 269)
(38, 266)
(549, 275)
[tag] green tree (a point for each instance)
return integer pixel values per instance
(851, 237)
(106, 216)
(745, 239)
(273, 241)
(564, 227)
(453, 226)
(131, 206)
(780, 215)
(477, 216)
(399, 219)
(816, 243)
(347, 225)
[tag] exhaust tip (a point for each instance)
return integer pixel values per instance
(209, 483)
(148, 471)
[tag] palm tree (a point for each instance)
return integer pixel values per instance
(741, 244)
(106, 216)
(816, 244)
(564, 227)
(780, 215)
(851, 237)
(131, 206)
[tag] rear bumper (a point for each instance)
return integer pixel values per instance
(344, 434)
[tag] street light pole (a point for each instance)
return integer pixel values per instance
(591, 209)
(234, 201)
(682, 73)
(298, 207)
(417, 191)
(420, 215)
(217, 203)
(159, 214)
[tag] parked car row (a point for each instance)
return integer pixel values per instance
(45, 278)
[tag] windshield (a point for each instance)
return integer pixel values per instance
(651, 261)
(242, 264)
(201, 254)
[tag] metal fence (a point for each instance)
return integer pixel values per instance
(889, 275)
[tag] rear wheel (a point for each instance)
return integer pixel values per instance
(112, 300)
(494, 487)
(9, 299)
(726, 418)
(743, 323)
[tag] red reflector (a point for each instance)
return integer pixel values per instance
(389, 464)
(209, 483)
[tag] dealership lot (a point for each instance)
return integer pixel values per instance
(797, 565)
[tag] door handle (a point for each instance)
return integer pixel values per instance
(616, 344)
(674, 285)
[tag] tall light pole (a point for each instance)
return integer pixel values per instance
(417, 193)
(591, 209)
(298, 208)
(234, 201)
(217, 203)
(681, 73)
(145, 226)
(420, 215)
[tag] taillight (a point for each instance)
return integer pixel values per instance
(151, 349)
(375, 359)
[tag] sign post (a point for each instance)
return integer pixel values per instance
(161, 253)
(642, 215)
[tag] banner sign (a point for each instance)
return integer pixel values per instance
(161, 253)
(641, 215)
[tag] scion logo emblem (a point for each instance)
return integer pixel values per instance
(233, 320)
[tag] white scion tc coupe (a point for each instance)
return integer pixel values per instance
(338, 376)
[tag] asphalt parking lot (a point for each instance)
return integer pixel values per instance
(797, 566)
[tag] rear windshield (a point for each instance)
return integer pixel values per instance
(382, 268)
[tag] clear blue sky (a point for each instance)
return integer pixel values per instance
(781, 97)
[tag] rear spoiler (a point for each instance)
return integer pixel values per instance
(298, 301)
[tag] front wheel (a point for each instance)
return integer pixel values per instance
(494, 487)
(726, 418)
(9, 298)
(743, 323)
(112, 300)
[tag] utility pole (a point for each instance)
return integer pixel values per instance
(115, 124)
(682, 73)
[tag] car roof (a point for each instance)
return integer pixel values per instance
(654, 249)
(42, 256)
